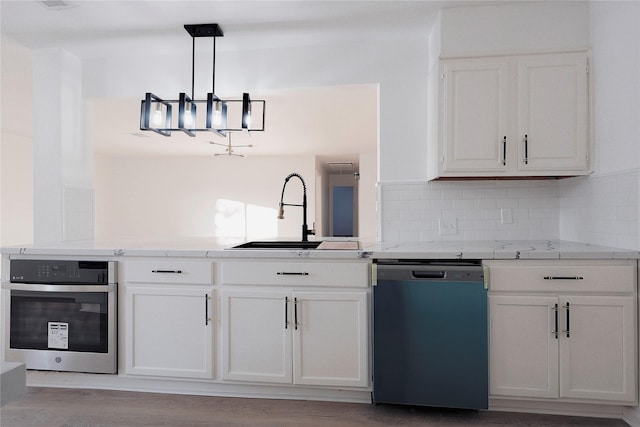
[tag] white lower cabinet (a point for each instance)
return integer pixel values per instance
(597, 354)
(330, 341)
(256, 337)
(523, 351)
(296, 337)
(299, 322)
(168, 326)
(565, 344)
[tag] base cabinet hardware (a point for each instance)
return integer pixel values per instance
(566, 344)
(168, 325)
(509, 116)
(305, 338)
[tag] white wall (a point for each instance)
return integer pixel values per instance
(603, 208)
(514, 27)
(16, 145)
(156, 198)
(367, 193)
(411, 211)
(62, 161)
(399, 66)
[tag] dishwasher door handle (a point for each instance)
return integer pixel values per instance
(419, 274)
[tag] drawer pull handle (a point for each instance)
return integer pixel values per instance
(568, 330)
(504, 151)
(286, 312)
(291, 273)
(563, 278)
(206, 309)
(167, 271)
(555, 315)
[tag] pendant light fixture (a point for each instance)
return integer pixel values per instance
(221, 115)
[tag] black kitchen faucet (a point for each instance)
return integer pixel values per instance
(305, 230)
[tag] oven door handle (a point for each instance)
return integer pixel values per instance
(57, 288)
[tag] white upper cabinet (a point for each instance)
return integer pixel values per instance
(476, 105)
(553, 113)
(510, 116)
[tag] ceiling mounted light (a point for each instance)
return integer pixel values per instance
(229, 148)
(222, 115)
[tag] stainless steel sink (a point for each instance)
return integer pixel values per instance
(278, 245)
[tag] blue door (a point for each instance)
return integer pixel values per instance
(342, 211)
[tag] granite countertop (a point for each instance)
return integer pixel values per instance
(199, 247)
(500, 249)
(220, 248)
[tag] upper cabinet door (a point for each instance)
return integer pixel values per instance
(476, 98)
(553, 122)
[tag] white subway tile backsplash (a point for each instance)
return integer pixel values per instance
(599, 210)
(475, 205)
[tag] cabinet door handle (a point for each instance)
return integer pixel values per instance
(568, 330)
(206, 309)
(555, 315)
(563, 278)
(167, 271)
(295, 314)
(504, 150)
(292, 273)
(286, 312)
(526, 150)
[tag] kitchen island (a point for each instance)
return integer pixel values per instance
(197, 317)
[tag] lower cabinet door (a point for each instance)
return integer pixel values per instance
(304, 338)
(257, 336)
(597, 348)
(330, 338)
(169, 331)
(523, 346)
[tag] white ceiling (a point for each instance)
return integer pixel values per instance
(92, 28)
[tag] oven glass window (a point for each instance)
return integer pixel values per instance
(73, 321)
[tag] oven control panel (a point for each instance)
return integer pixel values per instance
(60, 272)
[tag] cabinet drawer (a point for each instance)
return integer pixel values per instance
(352, 275)
(602, 276)
(168, 271)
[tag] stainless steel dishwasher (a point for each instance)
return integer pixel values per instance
(430, 339)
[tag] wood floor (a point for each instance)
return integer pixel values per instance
(54, 407)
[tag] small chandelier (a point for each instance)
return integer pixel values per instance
(221, 116)
(229, 148)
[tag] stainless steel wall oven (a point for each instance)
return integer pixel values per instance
(61, 315)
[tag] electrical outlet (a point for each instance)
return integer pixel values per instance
(448, 226)
(506, 215)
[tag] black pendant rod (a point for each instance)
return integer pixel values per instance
(213, 82)
(193, 65)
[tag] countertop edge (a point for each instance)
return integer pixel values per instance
(544, 249)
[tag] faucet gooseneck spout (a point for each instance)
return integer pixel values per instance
(305, 230)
